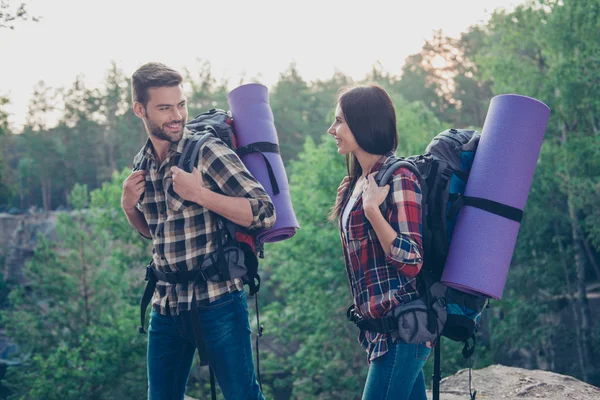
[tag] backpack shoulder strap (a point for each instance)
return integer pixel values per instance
(384, 176)
(189, 156)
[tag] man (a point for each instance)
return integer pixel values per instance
(179, 212)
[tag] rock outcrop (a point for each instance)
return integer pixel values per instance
(501, 382)
(18, 238)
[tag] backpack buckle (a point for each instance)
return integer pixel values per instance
(442, 301)
(352, 315)
(174, 277)
(202, 274)
(389, 324)
(447, 173)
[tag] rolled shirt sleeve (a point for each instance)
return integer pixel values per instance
(406, 252)
(227, 171)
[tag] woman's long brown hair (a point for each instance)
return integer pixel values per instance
(371, 116)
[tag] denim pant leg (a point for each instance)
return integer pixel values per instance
(226, 332)
(419, 390)
(398, 374)
(169, 356)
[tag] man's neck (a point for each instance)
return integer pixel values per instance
(161, 149)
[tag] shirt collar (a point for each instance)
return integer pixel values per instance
(176, 147)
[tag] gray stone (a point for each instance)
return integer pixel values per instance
(501, 382)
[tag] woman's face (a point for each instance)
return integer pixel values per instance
(346, 143)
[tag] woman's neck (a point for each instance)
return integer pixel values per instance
(366, 161)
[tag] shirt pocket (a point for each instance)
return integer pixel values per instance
(359, 226)
(359, 232)
(175, 202)
(146, 199)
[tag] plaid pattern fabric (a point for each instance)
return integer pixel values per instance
(182, 231)
(381, 282)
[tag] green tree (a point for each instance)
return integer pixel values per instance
(40, 167)
(41, 107)
(472, 92)
(549, 50)
(444, 77)
(6, 184)
(302, 109)
(417, 125)
(289, 101)
(206, 93)
(78, 138)
(4, 129)
(114, 104)
(427, 76)
(24, 171)
(74, 322)
(315, 352)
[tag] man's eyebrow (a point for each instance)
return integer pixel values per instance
(169, 105)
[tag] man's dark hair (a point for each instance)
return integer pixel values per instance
(152, 74)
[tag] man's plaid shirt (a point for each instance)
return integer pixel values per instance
(380, 282)
(182, 231)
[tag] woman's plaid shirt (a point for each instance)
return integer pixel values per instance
(380, 282)
(182, 231)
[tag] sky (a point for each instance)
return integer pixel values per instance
(244, 40)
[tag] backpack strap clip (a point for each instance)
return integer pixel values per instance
(147, 296)
(352, 315)
(202, 276)
(380, 325)
(468, 349)
(447, 173)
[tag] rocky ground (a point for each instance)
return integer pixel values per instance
(501, 382)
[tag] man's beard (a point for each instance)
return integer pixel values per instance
(160, 133)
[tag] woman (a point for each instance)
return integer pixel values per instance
(383, 253)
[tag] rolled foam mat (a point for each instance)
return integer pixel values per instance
(483, 243)
(254, 123)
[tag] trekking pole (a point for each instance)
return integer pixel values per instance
(213, 389)
(258, 335)
(437, 376)
(201, 346)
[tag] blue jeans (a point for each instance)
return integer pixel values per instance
(226, 332)
(398, 374)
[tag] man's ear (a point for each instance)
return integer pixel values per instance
(139, 110)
